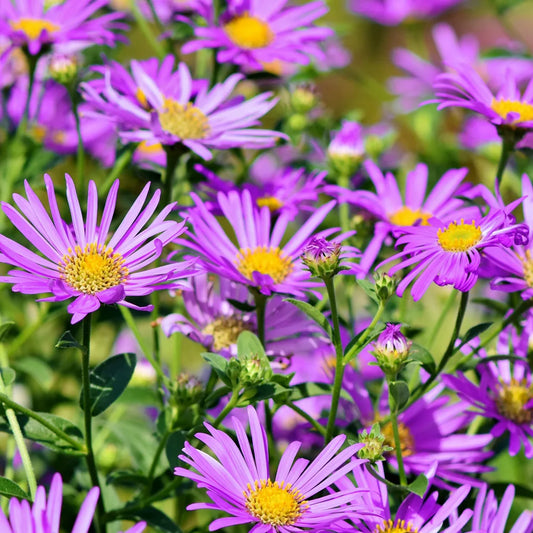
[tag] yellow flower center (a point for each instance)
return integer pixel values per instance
(225, 331)
(407, 442)
(512, 399)
(265, 260)
(149, 149)
(93, 269)
(527, 264)
(275, 504)
(141, 98)
(405, 216)
(400, 527)
(459, 237)
(185, 122)
(33, 27)
(503, 107)
(249, 32)
(271, 202)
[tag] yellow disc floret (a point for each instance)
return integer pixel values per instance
(459, 237)
(183, 121)
(512, 399)
(273, 503)
(527, 263)
(225, 331)
(265, 260)
(503, 107)
(92, 269)
(405, 216)
(399, 527)
(33, 27)
(273, 203)
(249, 32)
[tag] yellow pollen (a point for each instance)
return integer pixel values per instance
(275, 504)
(512, 399)
(405, 216)
(523, 109)
(33, 27)
(399, 527)
(459, 237)
(407, 442)
(149, 149)
(185, 122)
(527, 264)
(225, 331)
(265, 260)
(93, 269)
(141, 98)
(271, 202)
(249, 32)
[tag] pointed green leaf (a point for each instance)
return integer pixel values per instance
(400, 392)
(8, 375)
(369, 288)
(474, 331)
(420, 354)
(4, 328)
(219, 365)
(245, 307)
(11, 489)
(174, 447)
(67, 340)
(419, 485)
(313, 314)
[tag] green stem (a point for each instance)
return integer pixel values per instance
(120, 164)
(147, 31)
(87, 415)
(80, 154)
(316, 425)
(389, 484)
(17, 433)
(339, 362)
(344, 207)
(397, 442)
(155, 461)
(228, 407)
(23, 124)
(155, 342)
(173, 154)
(438, 324)
(508, 144)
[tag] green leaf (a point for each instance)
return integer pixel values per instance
(33, 430)
(473, 362)
(249, 346)
(126, 478)
(473, 332)
(67, 340)
(10, 488)
(500, 307)
(419, 485)
(4, 328)
(155, 518)
(108, 381)
(219, 365)
(378, 328)
(245, 307)
(369, 288)
(309, 389)
(38, 369)
(139, 395)
(400, 392)
(420, 354)
(313, 314)
(8, 375)
(174, 447)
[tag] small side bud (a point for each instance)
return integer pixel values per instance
(385, 285)
(346, 150)
(303, 98)
(189, 390)
(391, 350)
(64, 68)
(322, 257)
(375, 446)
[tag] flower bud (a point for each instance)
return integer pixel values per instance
(346, 150)
(322, 257)
(385, 285)
(375, 446)
(189, 390)
(303, 98)
(63, 68)
(391, 350)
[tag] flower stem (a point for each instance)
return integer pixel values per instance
(339, 362)
(80, 154)
(318, 427)
(397, 442)
(509, 140)
(173, 154)
(147, 31)
(91, 463)
(228, 407)
(344, 207)
(260, 306)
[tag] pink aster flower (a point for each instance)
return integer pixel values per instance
(162, 106)
(395, 212)
(505, 108)
(80, 260)
(258, 34)
(257, 259)
(44, 516)
(238, 481)
(392, 12)
(33, 25)
(450, 254)
(505, 394)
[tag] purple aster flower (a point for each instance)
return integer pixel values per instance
(392, 12)
(394, 213)
(257, 34)
(504, 393)
(80, 260)
(33, 25)
(44, 516)
(238, 481)
(216, 324)
(258, 259)
(450, 254)
(286, 190)
(415, 513)
(491, 518)
(171, 108)
(505, 108)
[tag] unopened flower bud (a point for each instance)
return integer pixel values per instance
(385, 285)
(63, 68)
(375, 446)
(346, 150)
(303, 99)
(189, 390)
(391, 350)
(322, 257)
(297, 122)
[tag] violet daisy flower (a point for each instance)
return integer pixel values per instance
(450, 254)
(491, 518)
(80, 260)
(505, 394)
(44, 516)
(258, 259)
(216, 324)
(239, 482)
(171, 108)
(33, 25)
(394, 213)
(258, 34)
(508, 108)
